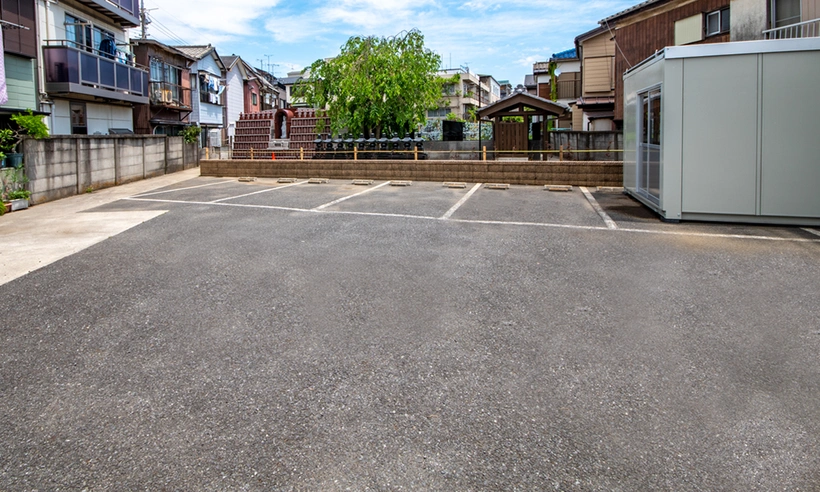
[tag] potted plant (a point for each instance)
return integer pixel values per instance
(14, 192)
(7, 143)
(28, 124)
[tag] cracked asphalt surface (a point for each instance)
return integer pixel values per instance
(240, 346)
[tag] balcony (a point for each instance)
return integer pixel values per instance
(71, 69)
(123, 12)
(541, 67)
(808, 29)
(169, 95)
(565, 89)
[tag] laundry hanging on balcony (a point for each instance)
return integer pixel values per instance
(4, 93)
(211, 87)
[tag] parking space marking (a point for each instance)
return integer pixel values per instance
(221, 204)
(181, 189)
(723, 236)
(461, 202)
(811, 231)
(340, 200)
(259, 191)
(610, 224)
(489, 222)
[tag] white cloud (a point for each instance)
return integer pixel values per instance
(499, 38)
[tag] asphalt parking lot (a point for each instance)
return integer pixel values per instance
(296, 336)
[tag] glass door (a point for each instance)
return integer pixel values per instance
(649, 145)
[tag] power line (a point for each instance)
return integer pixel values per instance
(168, 33)
(159, 7)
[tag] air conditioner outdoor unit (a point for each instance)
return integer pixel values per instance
(167, 96)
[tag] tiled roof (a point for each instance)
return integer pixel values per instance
(195, 51)
(630, 10)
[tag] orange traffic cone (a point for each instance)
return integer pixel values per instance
(272, 156)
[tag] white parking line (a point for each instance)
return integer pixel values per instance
(340, 200)
(258, 192)
(610, 224)
(461, 202)
(811, 231)
(180, 189)
(493, 222)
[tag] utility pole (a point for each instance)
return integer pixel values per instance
(144, 21)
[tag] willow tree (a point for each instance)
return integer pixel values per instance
(376, 86)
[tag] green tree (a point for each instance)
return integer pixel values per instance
(376, 86)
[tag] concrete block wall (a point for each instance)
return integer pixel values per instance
(607, 145)
(63, 166)
(524, 173)
(174, 155)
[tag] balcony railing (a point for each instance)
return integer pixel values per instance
(170, 95)
(541, 67)
(808, 29)
(71, 68)
(125, 12)
(566, 89)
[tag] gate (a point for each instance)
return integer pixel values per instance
(511, 139)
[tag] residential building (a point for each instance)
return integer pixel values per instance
(169, 89)
(266, 88)
(289, 83)
(506, 88)
(595, 107)
(567, 78)
(648, 27)
(235, 78)
(89, 74)
(19, 26)
(464, 93)
(490, 90)
(774, 19)
(208, 93)
(247, 91)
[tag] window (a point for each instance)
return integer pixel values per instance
(785, 12)
(165, 82)
(717, 22)
(83, 34)
(253, 99)
(79, 124)
(438, 113)
(210, 88)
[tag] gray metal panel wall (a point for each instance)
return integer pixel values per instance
(791, 146)
(720, 135)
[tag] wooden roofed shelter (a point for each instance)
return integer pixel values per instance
(511, 137)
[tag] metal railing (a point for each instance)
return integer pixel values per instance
(807, 29)
(68, 62)
(172, 95)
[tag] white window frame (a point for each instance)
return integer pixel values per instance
(719, 14)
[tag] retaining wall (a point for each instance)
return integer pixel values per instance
(62, 166)
(526, 173)
(605, 144)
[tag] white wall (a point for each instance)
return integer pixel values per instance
(205, 113)
(60, 118)
(748, 19)
(100, 117)
(234, 97)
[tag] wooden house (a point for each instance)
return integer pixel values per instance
(169, 89)
(652, 25)
(594, 109)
